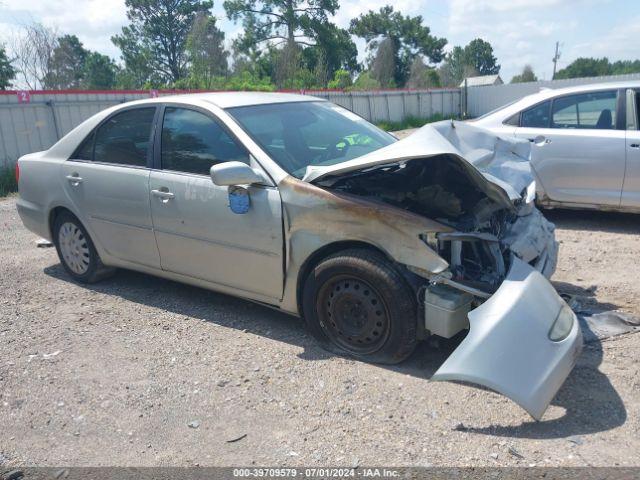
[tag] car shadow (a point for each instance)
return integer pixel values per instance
(592, 220)
(583, 299)
(590, 402)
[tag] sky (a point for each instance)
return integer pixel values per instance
(520, 31)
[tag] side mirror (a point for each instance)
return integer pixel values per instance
(234, 173)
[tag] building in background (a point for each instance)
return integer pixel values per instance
(482, 81)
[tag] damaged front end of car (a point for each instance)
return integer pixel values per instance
(499, 251)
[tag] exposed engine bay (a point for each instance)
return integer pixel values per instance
(487, 232)
(475, 191)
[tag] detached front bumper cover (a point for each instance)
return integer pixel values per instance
(509, 347)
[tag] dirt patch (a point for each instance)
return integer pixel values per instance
(598, 258)
(141, 371)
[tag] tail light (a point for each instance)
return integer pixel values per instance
(17, 172)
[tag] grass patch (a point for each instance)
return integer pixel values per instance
(7, 181)
(409, 122)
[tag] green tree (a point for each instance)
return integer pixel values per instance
(456, 67)
(596, 67)
(585, 67)
(258, 63)
(288, 66)
(306, 40)
(383, 66)
(476, 58)
(479, 55)
(7, 72)
(527, 75)
(341, 80)
(153, 44)
(422, 76)
(66, 64)
(206, 52)
(365, 81)
(334, 50)
(99, 72)
(248, 81)
(407, 35)
(622, 67)
(279, 21)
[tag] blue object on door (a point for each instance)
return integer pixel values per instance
(239, 200)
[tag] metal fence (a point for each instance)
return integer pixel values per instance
(480, 100)
(33, 121)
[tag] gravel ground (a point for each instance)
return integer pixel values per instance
(141, 371)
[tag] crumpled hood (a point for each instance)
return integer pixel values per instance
(502, 161)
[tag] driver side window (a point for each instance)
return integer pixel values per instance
(536, 117)
(192, 142)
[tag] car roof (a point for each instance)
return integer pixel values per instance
(501, 113)
(553, 92)
(234, 99)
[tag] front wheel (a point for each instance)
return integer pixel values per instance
(76, 251)
(357, 301)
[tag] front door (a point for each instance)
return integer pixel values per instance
(107, 180)
(577, 153)
(197, 233)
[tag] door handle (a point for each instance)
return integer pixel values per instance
(540, 140)
(635, 145)
(165, 195)
(74, 179)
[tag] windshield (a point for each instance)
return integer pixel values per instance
(300, 134)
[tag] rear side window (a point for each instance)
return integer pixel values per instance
(536, 117)
(594, 110)
(192, 142)
(124, 138)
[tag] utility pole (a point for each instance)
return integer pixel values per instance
(556, 57)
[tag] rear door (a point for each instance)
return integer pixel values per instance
(197, 233)
(631, 187)
(578, 151)
(107, 180)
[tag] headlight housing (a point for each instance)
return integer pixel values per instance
(562, 325)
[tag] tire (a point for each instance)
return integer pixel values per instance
(76, 250)
(356, 302)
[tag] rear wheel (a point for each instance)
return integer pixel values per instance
(76, 251)
(357, 301)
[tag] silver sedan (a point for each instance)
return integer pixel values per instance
(299, 204)
(585, 143)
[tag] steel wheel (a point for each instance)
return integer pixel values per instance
(74, 248)
(353, 314)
